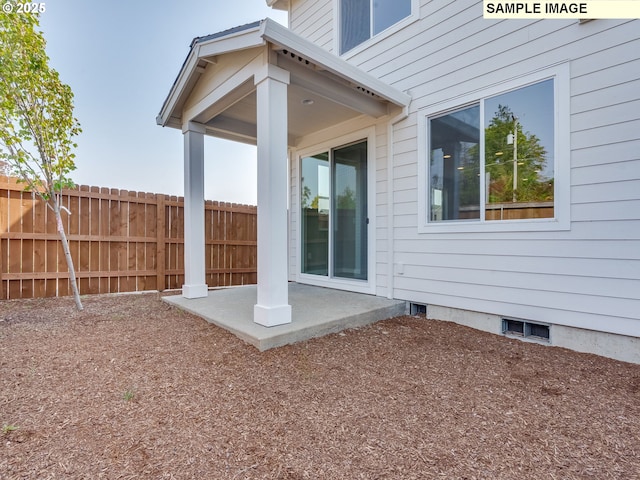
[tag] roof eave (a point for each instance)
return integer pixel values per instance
(278, 4)
(275, 33)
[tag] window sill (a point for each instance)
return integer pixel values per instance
(462, 226)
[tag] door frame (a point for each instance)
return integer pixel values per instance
(360, 286)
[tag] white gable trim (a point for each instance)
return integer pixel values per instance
(231, 43)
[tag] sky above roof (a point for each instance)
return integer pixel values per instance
(120, 58)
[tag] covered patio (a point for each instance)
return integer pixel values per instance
(264, 85)
(316, 312)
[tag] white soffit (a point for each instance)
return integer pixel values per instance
(276, 34)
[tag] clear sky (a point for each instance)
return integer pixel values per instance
(120, 58)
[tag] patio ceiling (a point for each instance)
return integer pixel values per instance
(323, 91)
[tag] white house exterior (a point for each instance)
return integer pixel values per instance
(404, 180)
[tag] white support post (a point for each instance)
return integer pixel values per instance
(194, 265)
(272, 307)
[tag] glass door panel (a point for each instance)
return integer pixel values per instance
(315, 192)
(349, 209)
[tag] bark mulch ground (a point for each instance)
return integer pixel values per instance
(134, 388)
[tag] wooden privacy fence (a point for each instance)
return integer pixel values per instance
(120, 241)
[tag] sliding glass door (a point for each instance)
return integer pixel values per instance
(315, 214)
(334, 213)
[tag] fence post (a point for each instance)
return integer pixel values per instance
(160, 251)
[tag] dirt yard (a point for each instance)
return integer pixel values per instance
(133, 388)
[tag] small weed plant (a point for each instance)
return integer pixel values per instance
(128, 395)
(8, 428)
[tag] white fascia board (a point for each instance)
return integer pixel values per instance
(231, 43)
(285, 38)
(187, 70)
(240, 40)
(278, 4)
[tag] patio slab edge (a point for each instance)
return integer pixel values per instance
(232, 310)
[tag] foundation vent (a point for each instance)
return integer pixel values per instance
(417, 309)
(539, 332)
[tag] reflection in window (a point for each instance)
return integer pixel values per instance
(389, 12)
(354, 21)
(518, 165)
(519, 160)
(350, 211)
(362, 19)
(315, 214)
(455, 165)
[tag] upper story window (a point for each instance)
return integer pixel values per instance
(499, 162)
(360, 20)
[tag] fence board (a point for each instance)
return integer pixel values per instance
(160, 259)
(94, 247)
(119, 240)
(51, 250)
(105, 231)
(27, 245)
(84, 216)
(14, 259)
(4, 223)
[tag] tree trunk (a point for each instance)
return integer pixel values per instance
(67, 255)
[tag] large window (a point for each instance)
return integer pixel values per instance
(494, 159)
(363, 19)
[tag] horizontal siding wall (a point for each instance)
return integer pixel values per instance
(313, 20)
(588, 276)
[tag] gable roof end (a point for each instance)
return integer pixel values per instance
(191, 69)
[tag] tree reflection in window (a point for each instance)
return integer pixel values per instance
(518, 143)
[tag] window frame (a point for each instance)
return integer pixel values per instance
(373, 38)
(561, 219)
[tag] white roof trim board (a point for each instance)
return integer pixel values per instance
(275, 33)
(278, 4)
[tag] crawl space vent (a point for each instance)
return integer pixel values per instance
(417, 309)
(529, 330)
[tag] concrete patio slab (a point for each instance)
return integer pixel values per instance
(316, 311)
